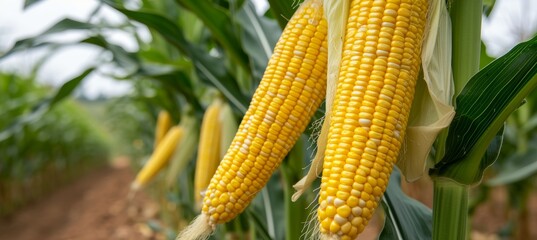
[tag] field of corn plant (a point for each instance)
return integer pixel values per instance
(39, 150)
(312, 119)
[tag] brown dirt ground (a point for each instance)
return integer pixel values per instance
(96, 206)
(93, 207)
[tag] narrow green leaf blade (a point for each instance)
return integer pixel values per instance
(67, 88)
(406, 218)
(178, 81)
(219, 23)
(485, 58)
(39, 40)
(209, 68)
(488, 5)
(482, 108)
(129, 61)
(258, 38)
(282, 10)
(516, 168)
(28, 3)
(44, 105)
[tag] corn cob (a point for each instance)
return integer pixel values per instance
(291, 90)
(208, 149)
(164, 123)
(379, 67)
(159, 158)
(187, 144)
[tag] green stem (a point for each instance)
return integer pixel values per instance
(450, 210)
(522, 115)
(450, 204)
(295, 214)
(466, 22)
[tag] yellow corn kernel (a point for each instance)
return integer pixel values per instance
(164, 123)
(379, 68)
(208, 149)
(160, 157)
(292, 88)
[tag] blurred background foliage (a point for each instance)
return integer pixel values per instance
(45, 151)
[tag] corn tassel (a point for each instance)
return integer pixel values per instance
(159, 158)
(292, 88)
(378, 72)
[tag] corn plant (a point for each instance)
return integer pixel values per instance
(203, 46)
(41, 152)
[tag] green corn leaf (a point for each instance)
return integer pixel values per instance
(258, 224)
(44, 106)
(488, 5)
(127, 60)
(406, 218)
(28, 3)
(482, 107)
(516, 168)
(485, 58)
(258, 38)
(209, 68)
(39, 40)
(218, 21)
(67, 88)
(177, 80)
(282, 10)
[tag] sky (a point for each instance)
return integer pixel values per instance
(510, 22)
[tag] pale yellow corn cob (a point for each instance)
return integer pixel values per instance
(160, 157)
(208, 149)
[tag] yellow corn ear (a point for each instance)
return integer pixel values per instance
(289, 93)
(188, 146)
(378, 72)
(292, 88)
(208, 149)
(159, 158)
(164, 123)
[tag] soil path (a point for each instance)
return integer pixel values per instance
(96, 207)
(93, 207)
